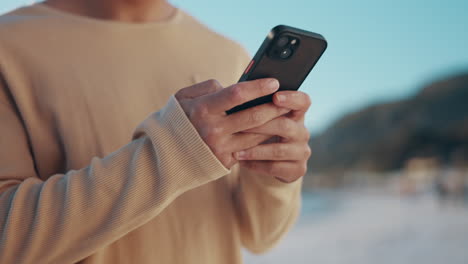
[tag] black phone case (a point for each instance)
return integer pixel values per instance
(290, 73)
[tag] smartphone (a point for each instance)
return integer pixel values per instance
(287, 54)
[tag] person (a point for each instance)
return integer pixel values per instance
(105, 159)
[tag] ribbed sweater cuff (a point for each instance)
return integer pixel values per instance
(189, 137)
(183, 147)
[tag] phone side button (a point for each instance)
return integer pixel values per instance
(249, 67)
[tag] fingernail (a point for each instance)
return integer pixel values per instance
(240, 155)
(272, 85)
(281, 98)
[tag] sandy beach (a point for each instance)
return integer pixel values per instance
(373, 228)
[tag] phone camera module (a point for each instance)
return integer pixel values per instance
(282, 41)
(286, 53)
(284, 47)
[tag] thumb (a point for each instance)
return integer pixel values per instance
(199, 89)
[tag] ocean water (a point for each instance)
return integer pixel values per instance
(372, 227)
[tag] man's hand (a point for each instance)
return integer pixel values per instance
(287, 158)
(206, 103)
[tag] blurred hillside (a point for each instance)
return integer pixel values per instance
(383, 137)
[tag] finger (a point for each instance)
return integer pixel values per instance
(253, 117)
(295, 100)
(240, 93)
(284, 127)
(199, 89)
(285, 171)
(275, 151)
(241, 141)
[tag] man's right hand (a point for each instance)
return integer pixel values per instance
(206, 103)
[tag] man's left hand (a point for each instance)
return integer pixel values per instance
(285, 159)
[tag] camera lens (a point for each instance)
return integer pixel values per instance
(282, 41)
(284, 54)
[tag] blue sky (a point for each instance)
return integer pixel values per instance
(378, 50)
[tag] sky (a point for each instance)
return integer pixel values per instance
(377, 50)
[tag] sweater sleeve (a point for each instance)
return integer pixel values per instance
(266, 208)
(69, 216)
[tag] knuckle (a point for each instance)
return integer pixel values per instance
(307, 152)
(236, 94)
(215, 131)
(255, 117)
(213, 83)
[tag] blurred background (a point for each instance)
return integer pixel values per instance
(388, 180)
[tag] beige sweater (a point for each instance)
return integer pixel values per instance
(98, 162)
